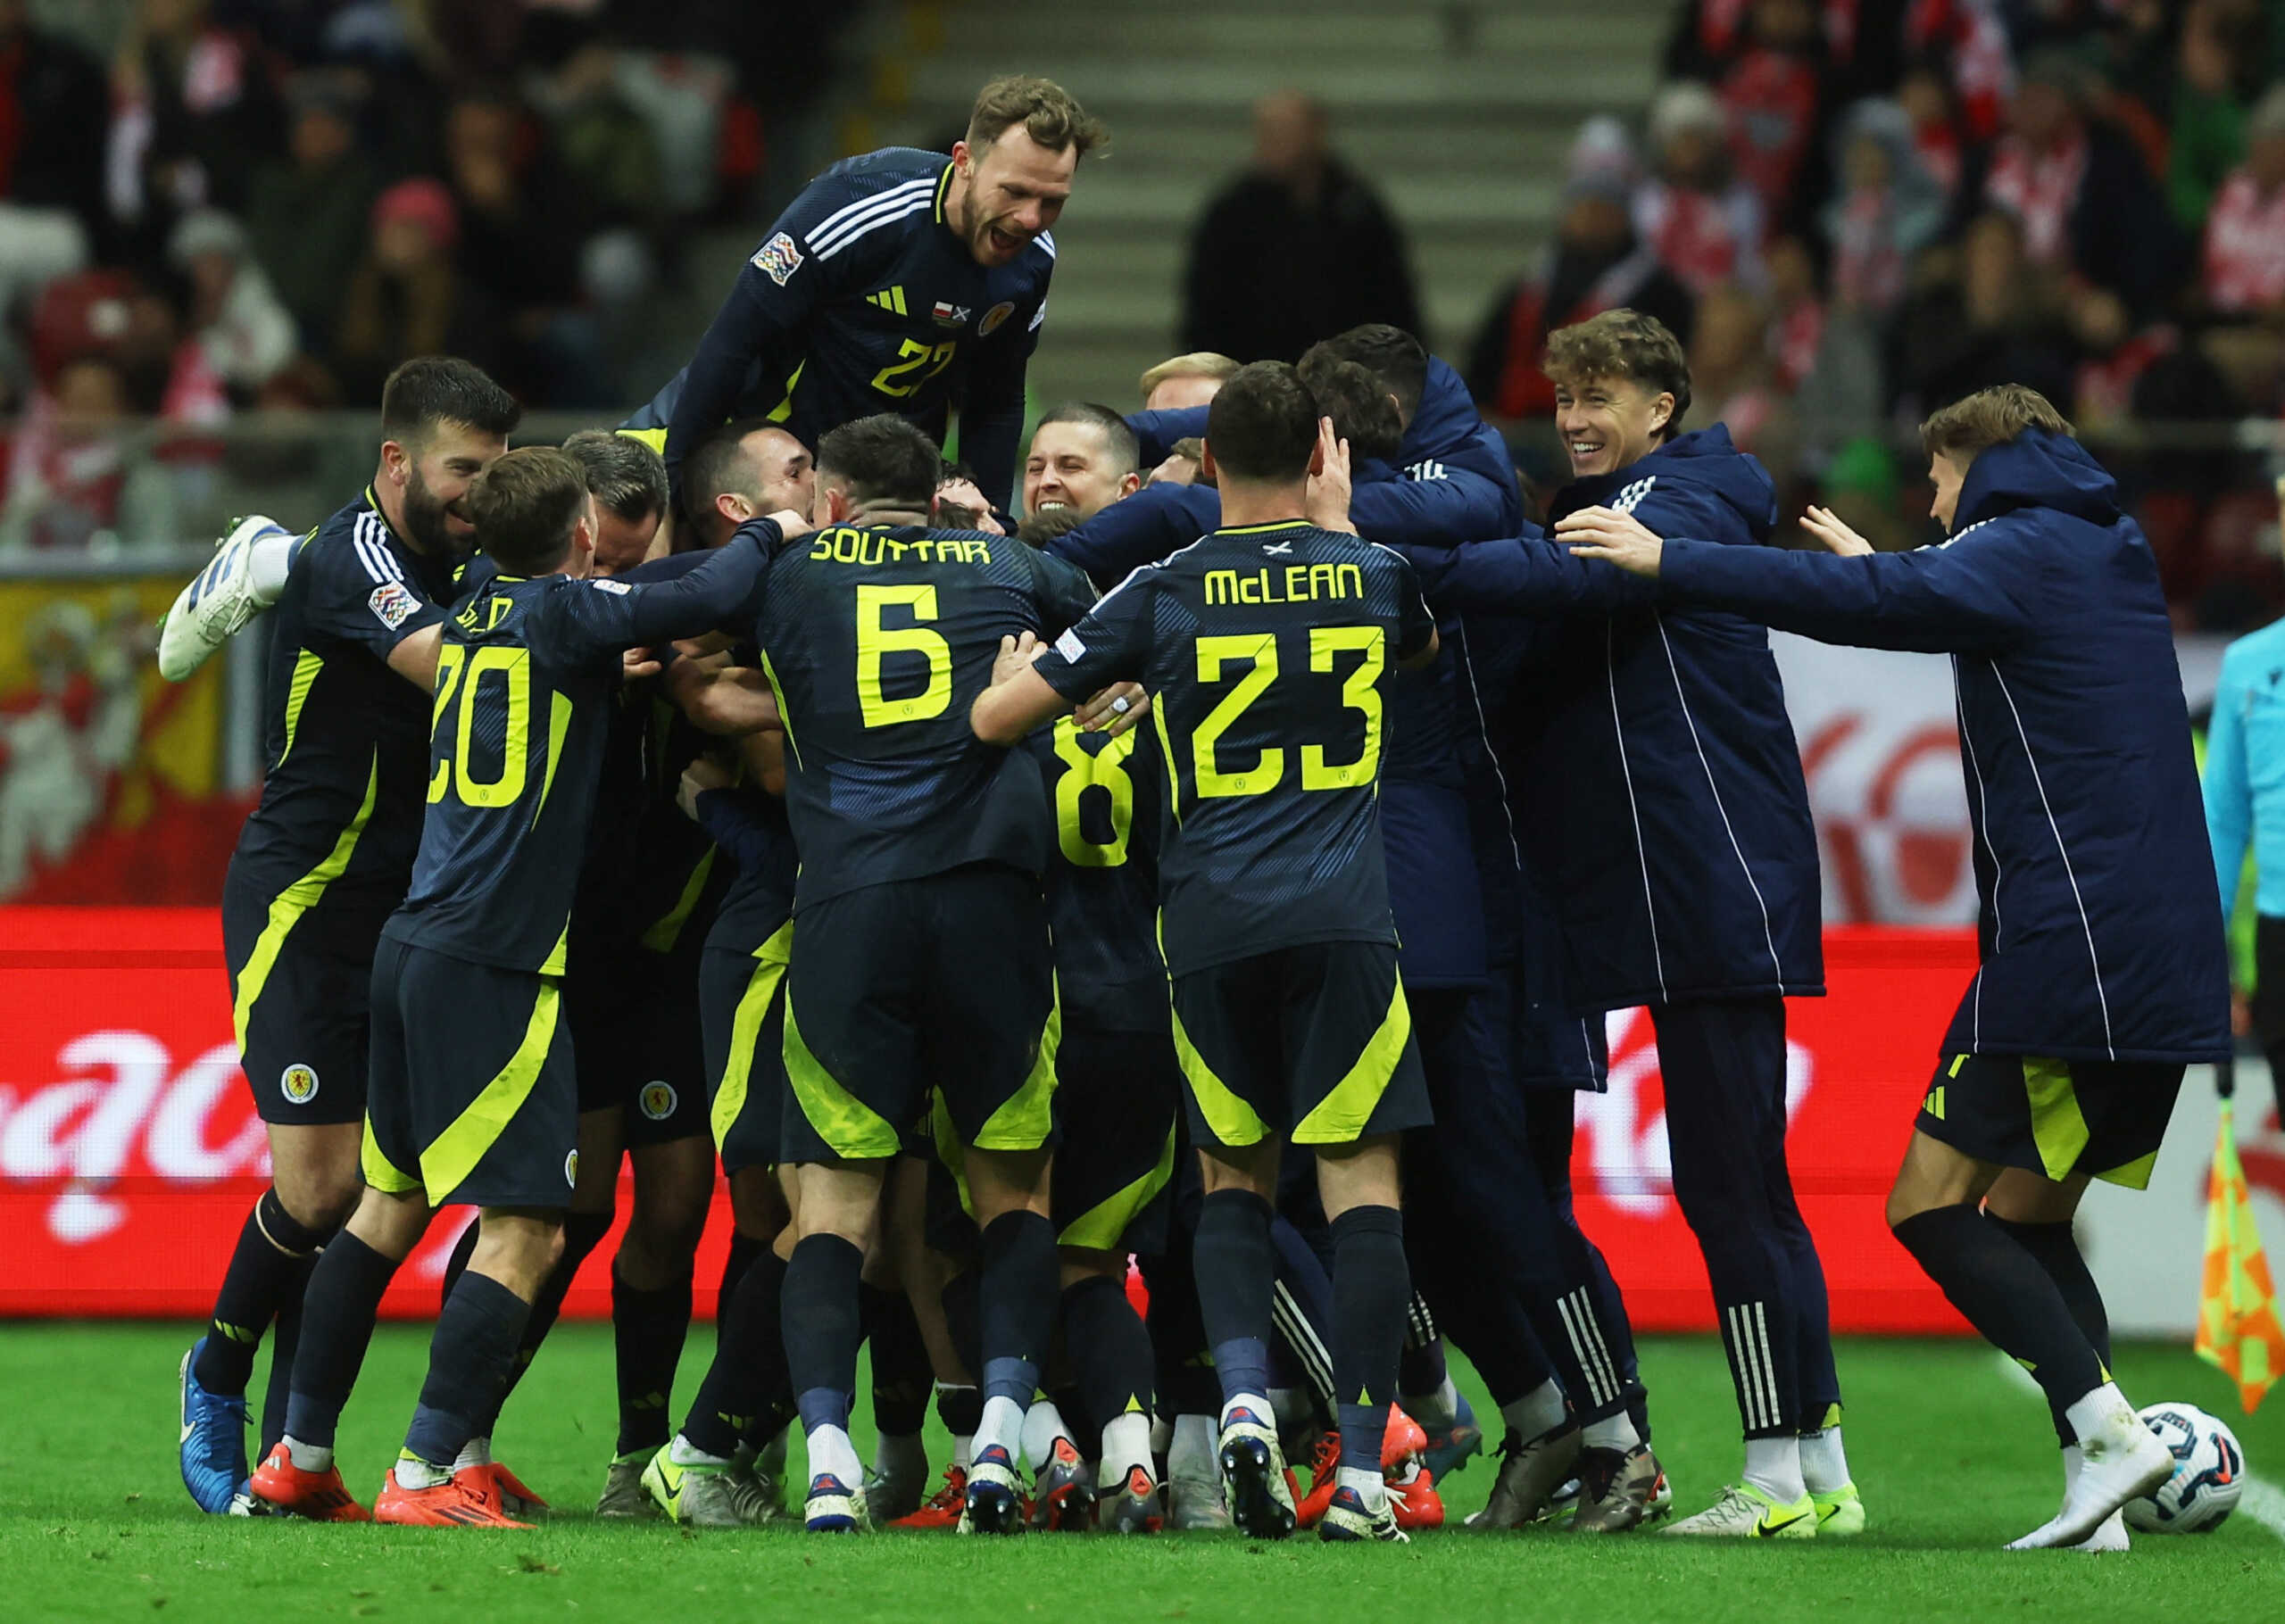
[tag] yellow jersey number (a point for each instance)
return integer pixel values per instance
(1359, 691)
(915, 365)
(875, 642)
(461, 677)
(1104, 770)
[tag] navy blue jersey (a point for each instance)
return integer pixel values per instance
(525, 684)
(346, 739)
(1102, 881)
(877, 641)
(862, 299)
(754, 842)
(1269, 651)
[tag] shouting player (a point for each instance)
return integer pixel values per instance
(901, 281)
(1268, 647)
(326, 855)
(2102, 968)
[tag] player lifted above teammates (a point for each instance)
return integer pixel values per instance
(2102, 968)
(474, 1100)
(327, 854)
(1268, 646)
(901, 281)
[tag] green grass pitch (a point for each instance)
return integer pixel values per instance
(1954, 1459)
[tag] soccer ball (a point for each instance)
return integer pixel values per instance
(2209, 1474)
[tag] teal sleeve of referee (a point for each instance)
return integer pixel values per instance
(2245, 771)
(2229, 799)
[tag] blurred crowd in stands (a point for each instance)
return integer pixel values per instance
(212, 205)
(1854, 211)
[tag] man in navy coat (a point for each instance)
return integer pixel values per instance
(2102, 968)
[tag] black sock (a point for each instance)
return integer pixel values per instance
(961, 1409)
(1237, 1265)
(456, 1264)
(337, 1314)
(743, 1249)
(1989, 1276)
(1111, 1348)
(2057, 1252)
(963, 1301)
(583, 1232)
(748, 1376)
(469, 1357)
(1184, 1373)
(648, 1328)
(269, 1268)
(900, 1362)
(1420, 1367)
(1371, 1286)
(285, 1343)
(1019, 1291)
(822, 1328)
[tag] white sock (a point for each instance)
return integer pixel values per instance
(830, 1451)
(419, 1474)
(2099, 1415)
(901, 1455)
(1162, 1434)
(1773, 1466)
(308, 1457)
(1435, 1410)
(1191, 1451)
(1003, 1425)
(2072, 1457)
(1043, 1423)
(476, 1452)
(1370, 1486)
(1537, 1412)
(682, 1451)
(1259, 1403)
(964, 1450)
(1127, 1445)
(1825, 1464)
(267, 563)
(1612, 1432)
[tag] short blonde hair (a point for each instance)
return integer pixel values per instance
(1050, 114)
(1989, 418)
(1198, 363)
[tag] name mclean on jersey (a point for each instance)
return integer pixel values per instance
(1301, 584)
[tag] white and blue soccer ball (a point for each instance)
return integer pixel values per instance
(2209, 1474)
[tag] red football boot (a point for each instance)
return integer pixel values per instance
(940, 1510)
(461, 1501)
(320, 1496)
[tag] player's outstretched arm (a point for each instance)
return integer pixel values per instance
(1017, 698)
(1524, 574)
(732, 703)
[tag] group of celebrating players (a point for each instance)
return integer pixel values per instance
(736, 784)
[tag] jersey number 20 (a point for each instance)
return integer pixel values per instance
(461, 689)
(1359, 692)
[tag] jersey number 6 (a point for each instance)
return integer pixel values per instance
(875, 642)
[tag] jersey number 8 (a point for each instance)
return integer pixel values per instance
(459, 690)
(1359, 692)
(1104, 770)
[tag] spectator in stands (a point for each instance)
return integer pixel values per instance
(2217, 62)
(72, 483)
(1774, 94)
(1185, 380)
(308, 212)
(1732, 379)
(2243, 280)
(196, 112)
(1295, 250)
(1927, 97)
(56, 100)
(235, 318)
(1595, 264)
(1703, 224)
(2087, 205)
(1986, 317)
(408, 297)
(1888, 208)
(607, 147)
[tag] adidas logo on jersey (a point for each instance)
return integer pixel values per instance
(890, 299)
(1627, 501)
(1428, 470)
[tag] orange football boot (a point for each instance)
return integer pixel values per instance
(1324, 1475)
(459, 1501)
(505, 1487)
(320, 1496)
(1418, 1504)
(1404, 1438)
(940, 1510)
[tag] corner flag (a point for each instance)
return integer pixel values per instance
(2238, 1329)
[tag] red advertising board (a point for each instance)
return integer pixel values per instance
(130, 1150)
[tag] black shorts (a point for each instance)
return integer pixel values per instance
(2268, 1010)
(298, 992)
(2102, 1118)
(473, 1098)
(1311, 1043)
(1117, 1100)
(634, 1017)
(945, 982)
(742, 998)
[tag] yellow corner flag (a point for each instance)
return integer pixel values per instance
(2238, 1329)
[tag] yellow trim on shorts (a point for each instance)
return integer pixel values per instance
(849, 1128)
(380, 1173)
(1026, 1118)
(287, 906)
(1102, 1226)
(1339, 1117)
(453, 1154)
(745, 1032)
(2059, 1128)
(1232, 1123)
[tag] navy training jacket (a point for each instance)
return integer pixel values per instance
(2100, 934)
(1663, 793)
